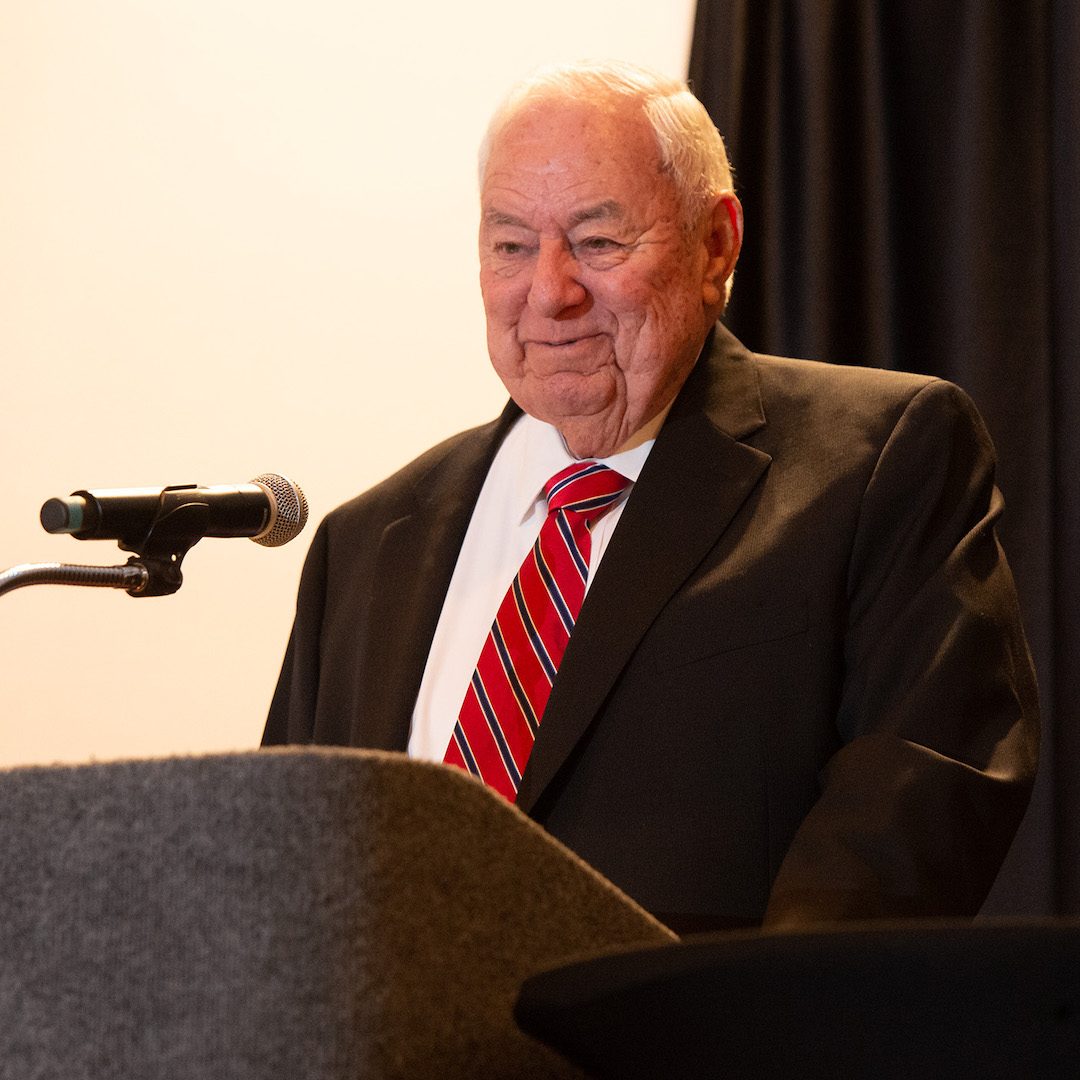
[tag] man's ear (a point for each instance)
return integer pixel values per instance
(723, 242)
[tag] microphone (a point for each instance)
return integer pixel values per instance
(271, 510)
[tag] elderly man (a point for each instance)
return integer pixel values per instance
(762, 659)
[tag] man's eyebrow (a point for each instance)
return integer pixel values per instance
(605, 211)
(499, 217)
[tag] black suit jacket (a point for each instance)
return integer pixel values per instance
(799, 683)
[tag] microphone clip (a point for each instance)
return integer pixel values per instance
(180, 523)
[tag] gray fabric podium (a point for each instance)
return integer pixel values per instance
(294, 913)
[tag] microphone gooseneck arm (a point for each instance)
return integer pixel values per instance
(131, 576)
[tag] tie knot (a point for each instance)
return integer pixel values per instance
(586, 487)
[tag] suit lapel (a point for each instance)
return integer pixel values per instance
(696, 478)
(415, 561)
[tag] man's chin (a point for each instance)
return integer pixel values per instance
(567, 399)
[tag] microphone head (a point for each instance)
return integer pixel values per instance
(290, 510)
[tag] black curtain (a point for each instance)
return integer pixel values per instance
(909, 173)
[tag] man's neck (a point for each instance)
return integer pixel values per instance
(642, 435)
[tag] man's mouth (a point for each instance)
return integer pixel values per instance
(560, 342)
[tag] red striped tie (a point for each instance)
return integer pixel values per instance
(510, 686)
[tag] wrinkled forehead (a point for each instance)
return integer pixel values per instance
(571, 142)
(604, 135)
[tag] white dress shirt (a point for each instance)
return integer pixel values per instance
(503, 528)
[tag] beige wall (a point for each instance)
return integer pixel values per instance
(236, 236)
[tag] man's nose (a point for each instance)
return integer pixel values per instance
(555, 287)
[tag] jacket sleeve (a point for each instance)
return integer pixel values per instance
(939, 713)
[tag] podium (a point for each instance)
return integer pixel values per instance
(301, 913)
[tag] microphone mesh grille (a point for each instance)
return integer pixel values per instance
(291, 510)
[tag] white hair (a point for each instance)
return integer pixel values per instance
(691, 149)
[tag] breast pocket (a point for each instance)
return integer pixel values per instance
(691, 631)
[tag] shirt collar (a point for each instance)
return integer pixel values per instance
(541, 452)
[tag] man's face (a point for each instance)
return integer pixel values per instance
(598, 293)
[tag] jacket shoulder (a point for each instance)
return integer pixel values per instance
(450, 464)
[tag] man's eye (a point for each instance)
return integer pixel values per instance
(598, 243)
(509, 247)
